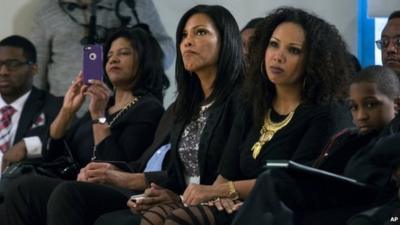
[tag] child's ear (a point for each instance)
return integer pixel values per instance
(397, 104)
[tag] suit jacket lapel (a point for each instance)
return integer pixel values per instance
(205, 141)
(29, 112)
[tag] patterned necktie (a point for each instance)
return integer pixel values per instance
(5, 127)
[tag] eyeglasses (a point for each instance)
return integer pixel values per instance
(13, 64)
(384, 42)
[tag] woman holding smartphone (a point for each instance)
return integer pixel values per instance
(209, 71)
(119, 126)
(122, 122)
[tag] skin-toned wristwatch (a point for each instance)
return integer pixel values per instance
(101, 120)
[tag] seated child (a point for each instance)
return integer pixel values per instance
(372, 100)
(372, 96)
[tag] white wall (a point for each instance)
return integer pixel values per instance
(342, 13)
(382, 8)
(16, 16)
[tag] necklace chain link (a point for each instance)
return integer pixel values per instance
(127, 106)
(268, 131)
(124, 109)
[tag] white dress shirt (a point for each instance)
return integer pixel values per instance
(33, 144)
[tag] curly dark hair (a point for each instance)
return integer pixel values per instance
(230, 63)
(150, 75)
(327, 66)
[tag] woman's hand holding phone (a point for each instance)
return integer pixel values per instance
(74, 96)
(152, 196)
(99, 96)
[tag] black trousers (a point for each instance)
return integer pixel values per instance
(388, 213)
(121, 217)
(26, 200)
(282, 196)
(264, 204)
(43, 200)
(79, 203)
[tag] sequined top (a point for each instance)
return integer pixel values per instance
(189, 145)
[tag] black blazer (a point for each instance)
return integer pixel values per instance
(39, 105)
(375, 163)
(211, 146)
(339, 150)
(161, 137)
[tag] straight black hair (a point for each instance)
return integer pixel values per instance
(230, 62)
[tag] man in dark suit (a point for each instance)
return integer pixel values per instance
(32, 110)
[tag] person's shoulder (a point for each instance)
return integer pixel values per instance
(171, 109)
(149, 100)
(44, 102)
(325, 107)
(44, 95)
(332, 112)
(236, 96)
(146, 106)
(351, 133)
(392, 127)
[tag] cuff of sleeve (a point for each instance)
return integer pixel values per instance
(155, 177)
(1, 161)
(33, 147)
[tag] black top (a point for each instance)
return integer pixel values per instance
(301, 140)
(375, 163)
(341, 148)
(131, 133)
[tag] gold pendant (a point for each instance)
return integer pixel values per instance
(268, 131)
(267, 136)
(256, 149)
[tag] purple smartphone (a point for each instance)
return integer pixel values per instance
(92, 63)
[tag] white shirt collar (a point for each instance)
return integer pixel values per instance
(17, 104)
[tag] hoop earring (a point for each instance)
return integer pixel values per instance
(264, 75)
(263, 72)
(304, 83)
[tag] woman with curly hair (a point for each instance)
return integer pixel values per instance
(312, 197)
(298, 73)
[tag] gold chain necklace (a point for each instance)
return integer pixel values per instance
(127, 106)
(268, 131)
(124, 109)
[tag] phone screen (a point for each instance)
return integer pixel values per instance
(134, 198)
(92, 63)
